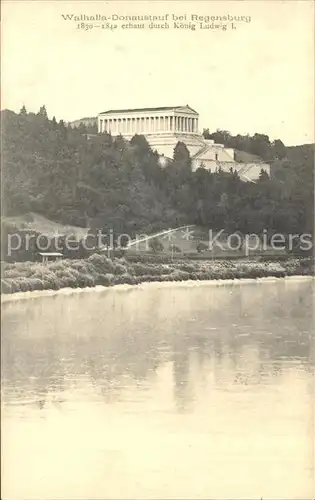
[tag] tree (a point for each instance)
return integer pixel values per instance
(279, 150)
(261, 146)
(263, 176)
(23, 110)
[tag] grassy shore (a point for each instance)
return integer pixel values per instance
(100, 270)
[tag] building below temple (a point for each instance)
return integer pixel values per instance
(164, 127)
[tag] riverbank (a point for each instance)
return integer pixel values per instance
(100, 270)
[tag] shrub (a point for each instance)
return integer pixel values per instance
(21, 284)
(105, 279)
(307, 262)
(187, 267)
(178, 275)
(141, 269)
(119, 269)
(56, 266)
(155, 245)
(11, 273)
(50, 281)
(85, 280)
(35, 284)
(124, 279)
(102, 263)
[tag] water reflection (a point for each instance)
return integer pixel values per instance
(204, 361)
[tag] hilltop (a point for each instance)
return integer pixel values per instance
(87, 122)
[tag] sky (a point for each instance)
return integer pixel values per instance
(258, 77)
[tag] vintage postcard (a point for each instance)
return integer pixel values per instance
(157, 250)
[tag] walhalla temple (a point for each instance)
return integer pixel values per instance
(164, 127)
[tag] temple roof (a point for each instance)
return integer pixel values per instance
(134, 110)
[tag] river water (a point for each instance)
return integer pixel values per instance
(167, 391)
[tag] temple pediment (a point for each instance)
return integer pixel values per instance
(186, 109)
(181, 109)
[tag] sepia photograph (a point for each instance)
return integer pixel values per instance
(157, 250)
